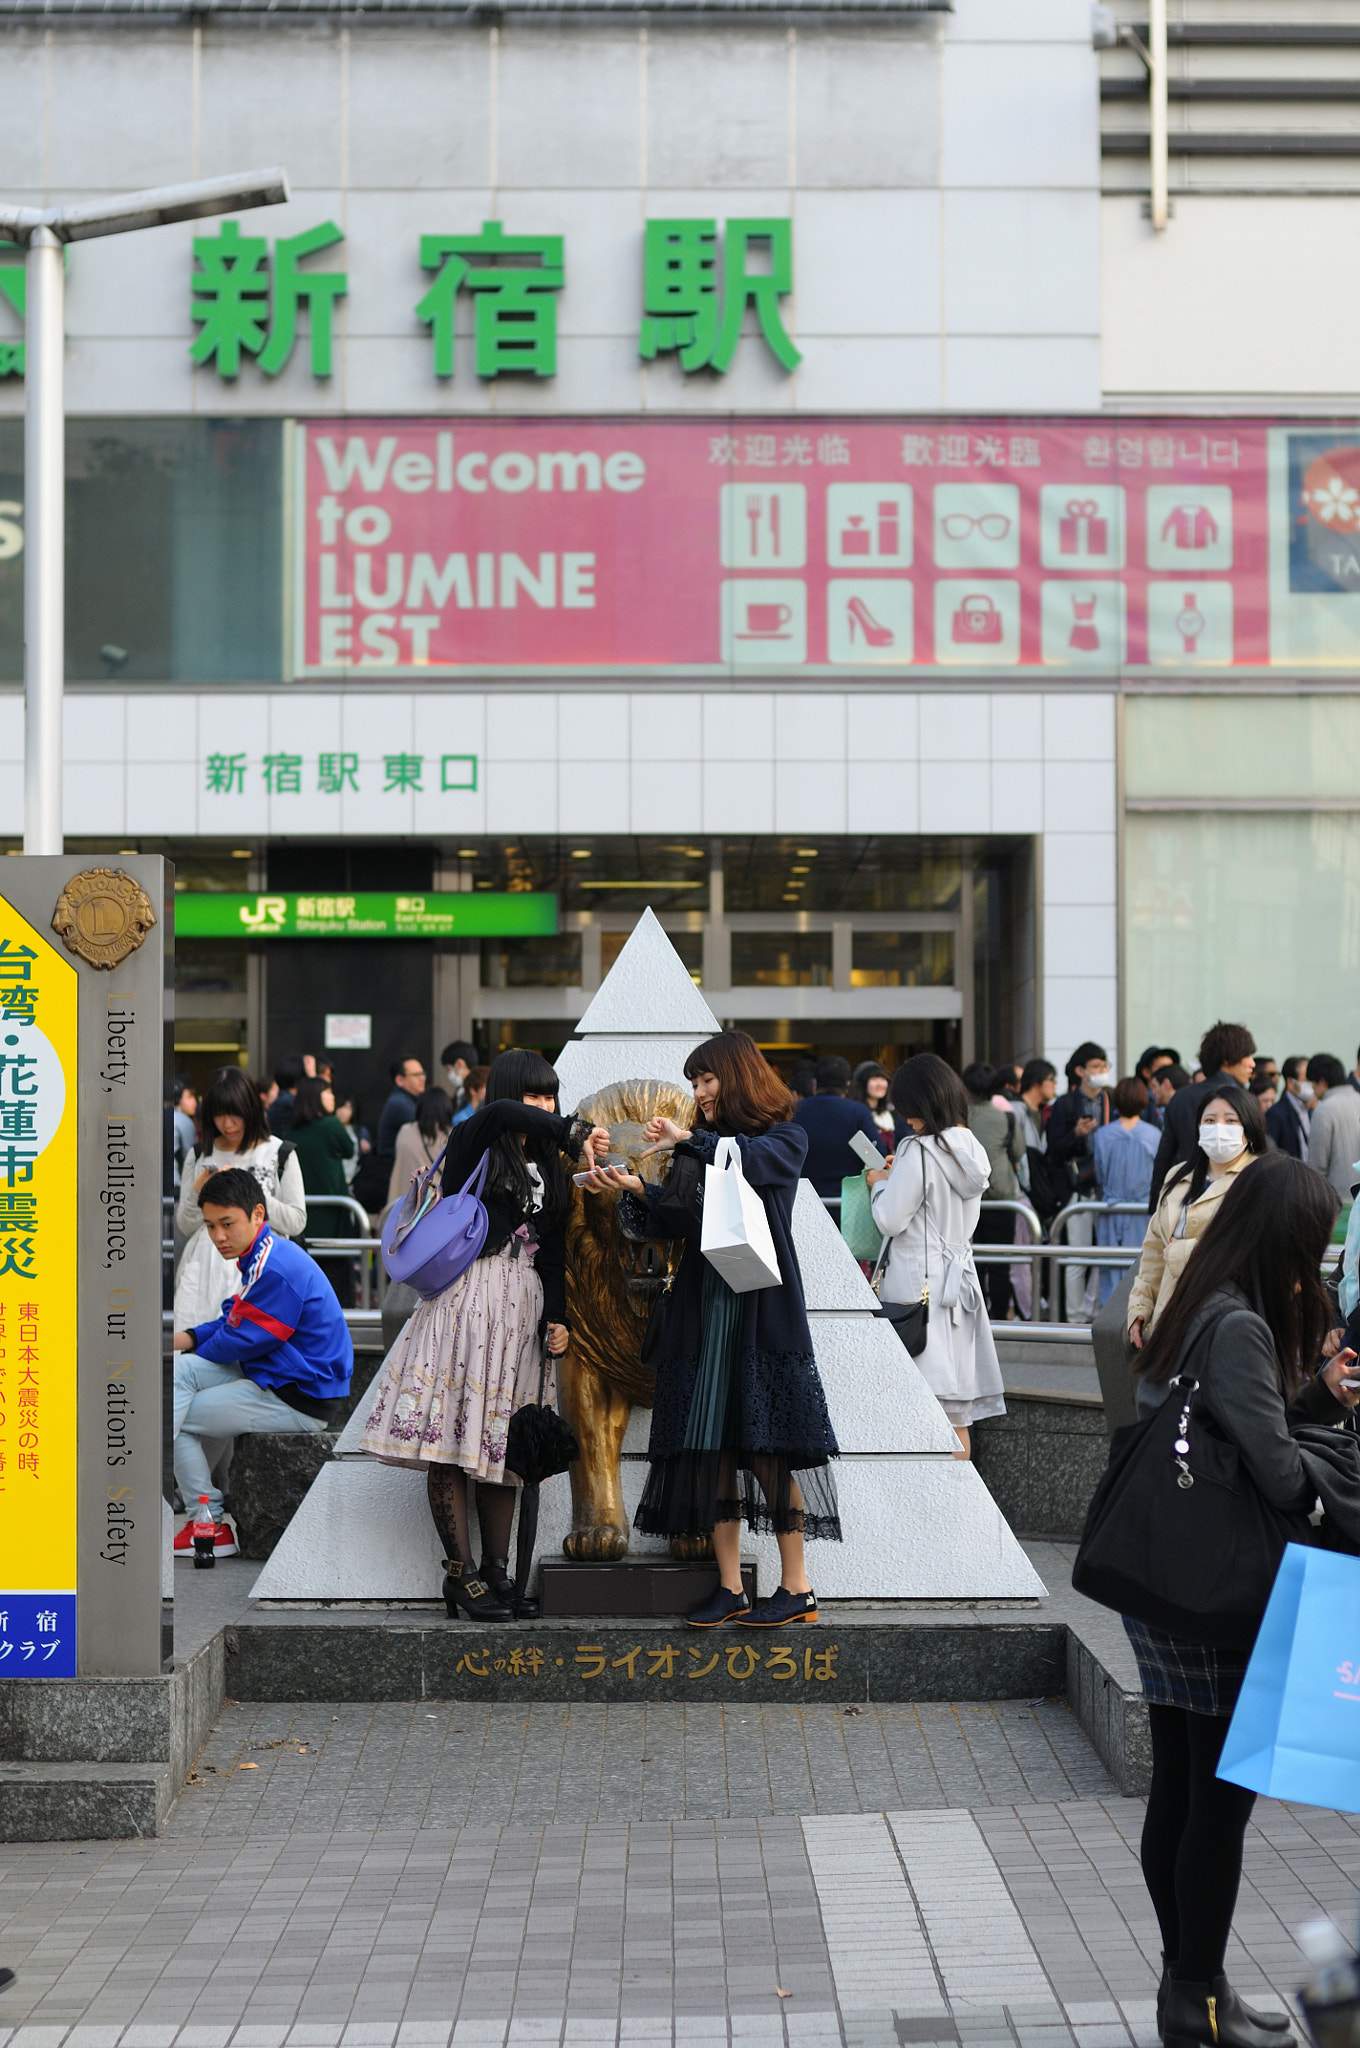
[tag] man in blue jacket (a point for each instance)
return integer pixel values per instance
(828, 1118)
(275, 1359)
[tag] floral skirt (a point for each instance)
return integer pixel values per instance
(461, 1367)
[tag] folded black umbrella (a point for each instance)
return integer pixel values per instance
(539, 1445)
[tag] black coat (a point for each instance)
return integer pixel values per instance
(504, 1215)
(1180, 1132)
(1284, 1127)
(1072, 1154)
(827, 1122)
(783, 1407)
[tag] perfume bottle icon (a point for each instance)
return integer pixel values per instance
(1190, 623)
(1085, 634)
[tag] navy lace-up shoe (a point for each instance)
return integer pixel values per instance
(780, 1608)
(721, 1606)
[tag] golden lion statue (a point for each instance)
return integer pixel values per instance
(612, 1282)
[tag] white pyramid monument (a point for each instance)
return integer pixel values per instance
(918, 1523)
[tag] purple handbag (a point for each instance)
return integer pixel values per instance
(428, 1241)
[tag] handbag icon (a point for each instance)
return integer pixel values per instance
(977, 622)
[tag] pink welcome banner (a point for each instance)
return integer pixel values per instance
(685, 548)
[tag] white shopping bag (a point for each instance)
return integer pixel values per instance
(736, 1236)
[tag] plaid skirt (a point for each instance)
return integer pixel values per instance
(1194, 1676)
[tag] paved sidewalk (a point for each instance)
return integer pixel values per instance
(335, 1896)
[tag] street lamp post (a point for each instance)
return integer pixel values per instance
(43, 232)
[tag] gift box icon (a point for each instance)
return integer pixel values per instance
(1082, 530)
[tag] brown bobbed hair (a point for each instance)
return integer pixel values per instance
(1130, 1096)
(1268, 1238)
(751, 1096)
(232, 1093)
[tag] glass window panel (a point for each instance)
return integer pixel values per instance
(1242, 746)
(842, 874)
(174, 551)
(781, 959)
(597, 874)
(689, 945)
(532, 963)
(902, 960)
(1250, 916)
(209, 967)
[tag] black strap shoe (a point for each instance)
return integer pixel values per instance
(473, 1595)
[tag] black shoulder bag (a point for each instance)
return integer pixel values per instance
(910, 1319)
(1178, 1535)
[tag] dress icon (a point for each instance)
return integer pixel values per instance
(1085, 634)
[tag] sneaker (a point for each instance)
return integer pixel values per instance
(719, 1607)
(224, 1540)
(781, 1607)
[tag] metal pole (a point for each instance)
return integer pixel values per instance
(1157, 109)
(44, 543)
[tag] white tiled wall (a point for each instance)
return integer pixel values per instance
(969, 761)
(988, 301)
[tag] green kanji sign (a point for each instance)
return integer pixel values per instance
(514, 280)
(246, 303)
(470, 914)
(241, 307)
(680, 304)
(14, 287)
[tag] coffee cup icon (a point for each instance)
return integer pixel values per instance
(767, 622)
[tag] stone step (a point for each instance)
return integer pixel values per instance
(47, 1802)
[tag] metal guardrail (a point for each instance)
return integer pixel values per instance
(1054, 1251)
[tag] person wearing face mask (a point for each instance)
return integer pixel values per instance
(1227, 1052)
(1287, 1124)
(1075, 1119)
(458, 1060)
(1231, 1134)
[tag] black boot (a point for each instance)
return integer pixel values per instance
(477, 1601)
(1213, 2013)
(1278, 2022)
(495, 1570)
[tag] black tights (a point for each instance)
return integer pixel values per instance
(447, 1486)
(1192, 1841)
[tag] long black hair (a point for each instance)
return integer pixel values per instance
(1247, 1110)
(434, 1114)
(514, 1075)
(927, 1087)
(1269, 1238)
(307, 1103)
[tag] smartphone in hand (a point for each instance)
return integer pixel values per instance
(864, 1148)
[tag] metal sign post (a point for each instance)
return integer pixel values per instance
(82, 1040)
(44, 232)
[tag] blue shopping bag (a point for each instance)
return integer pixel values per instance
(1295, 1733)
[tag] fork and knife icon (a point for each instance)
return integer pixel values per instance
(758, 506)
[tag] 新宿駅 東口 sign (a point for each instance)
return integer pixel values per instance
(474, 914)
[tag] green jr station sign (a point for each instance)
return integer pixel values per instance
(437, 915)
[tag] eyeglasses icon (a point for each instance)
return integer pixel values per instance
(959, 525)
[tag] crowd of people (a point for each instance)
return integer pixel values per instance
(1229, 1179)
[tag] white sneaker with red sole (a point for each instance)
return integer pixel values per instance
(224, 1540)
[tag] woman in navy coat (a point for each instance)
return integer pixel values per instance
(740, 1429)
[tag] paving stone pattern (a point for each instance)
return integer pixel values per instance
(447, 1765)
(606, 1877)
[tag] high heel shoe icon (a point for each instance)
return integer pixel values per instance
(862, 620)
